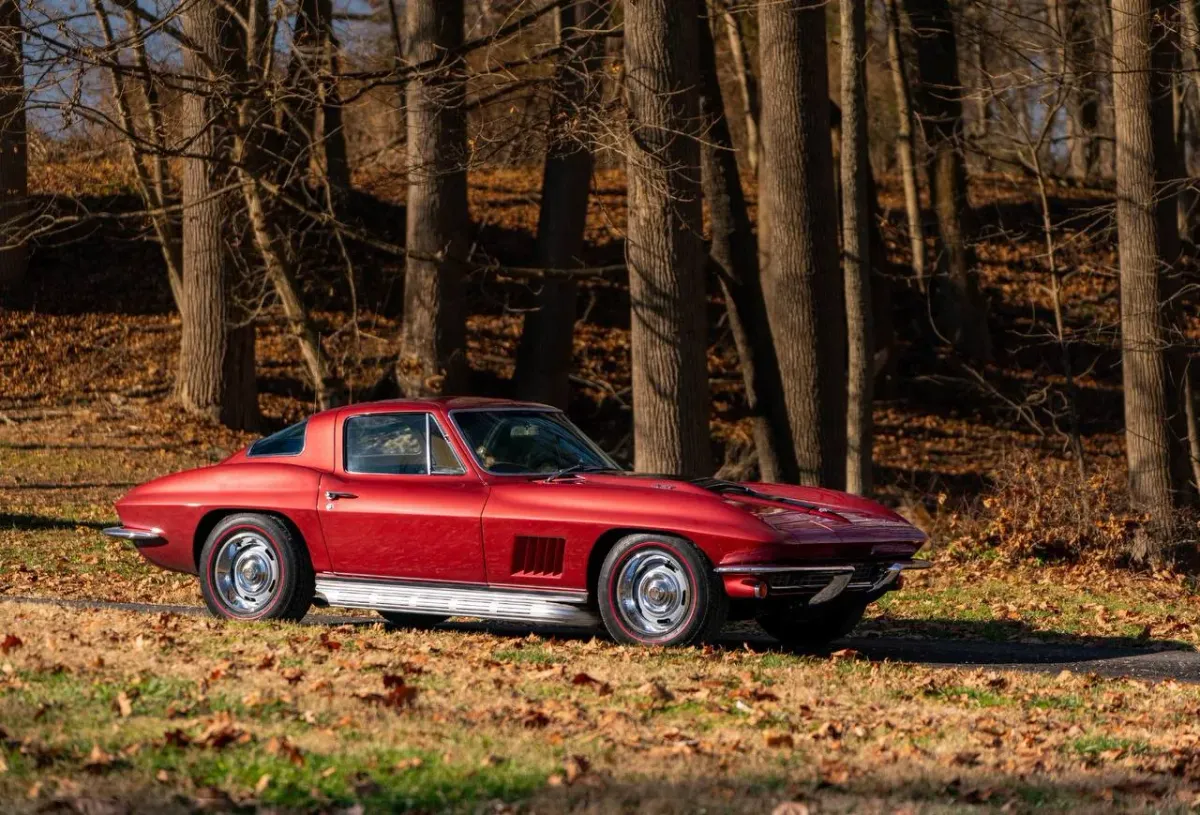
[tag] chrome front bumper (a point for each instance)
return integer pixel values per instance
(840, 578)
(138, 537)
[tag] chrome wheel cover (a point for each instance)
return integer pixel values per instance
(246, 572)
(653, 595)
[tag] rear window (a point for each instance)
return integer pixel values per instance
(287, 442)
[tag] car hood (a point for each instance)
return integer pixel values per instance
(811, 514)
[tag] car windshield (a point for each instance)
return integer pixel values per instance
(524, 442)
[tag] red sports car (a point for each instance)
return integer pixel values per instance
(429, 509)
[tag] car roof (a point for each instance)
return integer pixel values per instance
(441, 404)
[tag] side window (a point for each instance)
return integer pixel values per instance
(287, 442)
(398, 444)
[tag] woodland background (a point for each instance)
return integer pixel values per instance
(938, 251)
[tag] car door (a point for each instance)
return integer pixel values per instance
(400, 503)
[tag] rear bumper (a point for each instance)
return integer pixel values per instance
(138, 537)
(819, 584)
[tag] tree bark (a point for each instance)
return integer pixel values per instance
(1070, 21)
(433, 355)
(546, 349)
(733, 253)
(960, 312)
(1143, 120)
(663, 245)
(747, 83)
(856, 242)
(14, 163)
(905, 146)
(798, 235)
(212, 377)
(314, 103)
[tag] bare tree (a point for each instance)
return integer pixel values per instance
(433, 354)
(856, 242)
(906, 144)
(214, 354)
(545, 351)
(664, 252)
(960, 313)
(734, 255)
(798, 235)
(1145, 226)
(747, 83)
(1071, 21)
(14, 166)
(316, 119)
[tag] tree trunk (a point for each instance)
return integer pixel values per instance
(1143, 119)
(546, 348)
(314, 103)
(663, 245)
(798, 235)
(1072, 24)
(734, 256)
(433, 356)
(14, 164)
(747, 83)
(212, 377)
(960, 313)
(856, 261)
(905, 146)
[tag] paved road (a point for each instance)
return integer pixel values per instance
(1103, 660)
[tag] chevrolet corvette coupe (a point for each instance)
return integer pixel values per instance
(428, 509)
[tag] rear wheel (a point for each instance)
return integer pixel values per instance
(813, 626)
(660, 590)
(401, 620)
(253, 567)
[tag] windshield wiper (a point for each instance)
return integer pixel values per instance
(581, 467)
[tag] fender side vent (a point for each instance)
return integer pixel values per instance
(538, 557)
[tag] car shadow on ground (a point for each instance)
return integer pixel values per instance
(934, 641)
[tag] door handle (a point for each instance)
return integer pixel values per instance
(330, 495)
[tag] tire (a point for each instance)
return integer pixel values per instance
(660, 590)
(253, 567)
(813, 627)
(399, 619)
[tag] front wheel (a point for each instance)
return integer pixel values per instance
(813, 627)
(660, 590)
(253, 567)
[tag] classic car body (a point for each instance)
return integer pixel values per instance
(411, 507)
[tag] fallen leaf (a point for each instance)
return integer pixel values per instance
(781, 740)
(124, 705)
(10, 642)
(575, 767)
(791, 808)
(98, 760)
(263, 782)
(280, 746)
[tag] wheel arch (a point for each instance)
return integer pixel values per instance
(605, 543)
(213, 517)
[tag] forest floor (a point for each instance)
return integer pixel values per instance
(112, 711)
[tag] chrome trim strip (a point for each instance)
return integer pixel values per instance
(835, 587)
(781, 569)
(140, 537)
(893, 572)
(561, 607)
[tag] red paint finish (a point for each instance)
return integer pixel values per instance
(476, 527)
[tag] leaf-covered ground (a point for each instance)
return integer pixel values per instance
(109, 712)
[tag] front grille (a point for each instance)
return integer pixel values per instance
(865, 575)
